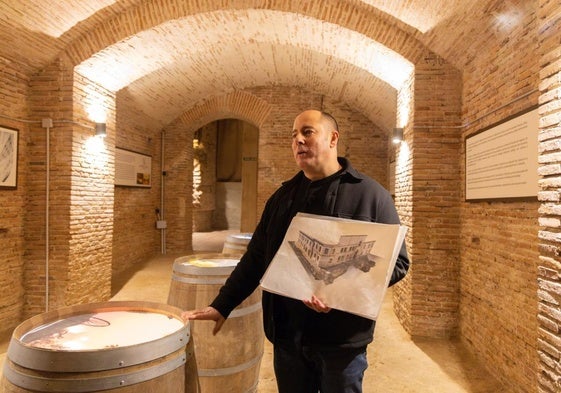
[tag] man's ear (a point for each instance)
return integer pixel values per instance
(334, 138)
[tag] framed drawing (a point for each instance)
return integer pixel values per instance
(8, 157)
(348, 264)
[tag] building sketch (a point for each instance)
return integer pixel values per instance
(328, 261)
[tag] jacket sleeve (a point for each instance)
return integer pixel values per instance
(401, 266)
(387, 213)
(247, 274)
(369, 201)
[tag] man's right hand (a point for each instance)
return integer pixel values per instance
(205, 314)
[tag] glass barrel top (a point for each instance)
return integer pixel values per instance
(211, 261)
(244, 236)
(100, 330)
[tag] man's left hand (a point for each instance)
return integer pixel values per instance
(317, 305)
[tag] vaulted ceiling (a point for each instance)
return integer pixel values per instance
(169, 55)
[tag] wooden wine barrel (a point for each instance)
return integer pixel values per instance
(228, 362)
(123, 347)
(236, 243)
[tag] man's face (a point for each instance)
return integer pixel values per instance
(313, 142)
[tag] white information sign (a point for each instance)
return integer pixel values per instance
(132, 169)
(502, 162)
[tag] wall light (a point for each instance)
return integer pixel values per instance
(397, 135)
(100, 130)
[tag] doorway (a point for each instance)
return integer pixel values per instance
(225, 176)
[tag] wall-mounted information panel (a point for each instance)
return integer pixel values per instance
(502, 161)
(132, 169)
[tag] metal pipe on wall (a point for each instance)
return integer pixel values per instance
(47, 125)
(162, 194)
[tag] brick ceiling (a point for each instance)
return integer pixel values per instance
(169, 55)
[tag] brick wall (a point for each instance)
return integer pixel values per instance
(50, 97)
(13, 106)
(275, 156)
(549, 264)
(135, 236)
(498, 240)
(91, 195)
(403, 196)
(178, 199)
(78, 201)
(498, 237)
(432, 143)
(204, 178)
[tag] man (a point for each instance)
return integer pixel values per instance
(315, 348)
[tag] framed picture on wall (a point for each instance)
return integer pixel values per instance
(8, 157)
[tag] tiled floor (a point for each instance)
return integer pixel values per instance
(398, 364)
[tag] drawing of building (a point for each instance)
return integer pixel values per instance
(328, 261)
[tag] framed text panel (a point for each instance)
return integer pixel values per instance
(502, 161)
(132, 169)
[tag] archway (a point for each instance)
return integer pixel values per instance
(225, 176)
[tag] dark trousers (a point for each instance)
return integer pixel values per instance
(307, 370)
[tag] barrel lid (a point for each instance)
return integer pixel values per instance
(211, 263)
(206, 262)
(79, 338)
(245, 236)
(99, 330)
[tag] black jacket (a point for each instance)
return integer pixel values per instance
(347, 194)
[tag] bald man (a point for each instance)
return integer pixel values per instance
(316, 349)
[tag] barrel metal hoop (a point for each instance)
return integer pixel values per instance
(193, 280)
(207, 372)
(96, 360)
(85, 384)
(253, 388)
(236, 246)
(203, 271)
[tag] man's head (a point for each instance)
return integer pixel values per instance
(314, 144)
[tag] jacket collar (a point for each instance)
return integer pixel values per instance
(348, 170)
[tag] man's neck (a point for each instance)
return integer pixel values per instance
(325, 172)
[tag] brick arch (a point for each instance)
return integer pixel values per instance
(359, 18)
(179, 154)
(239, 104)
